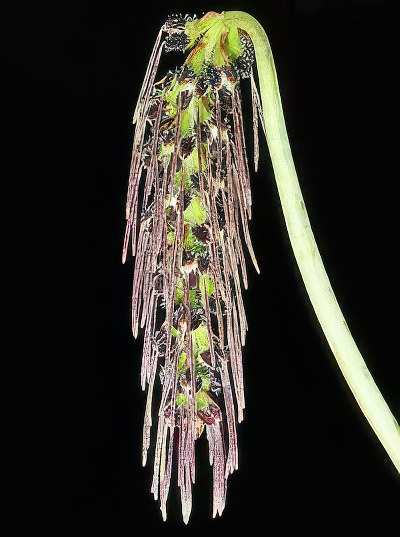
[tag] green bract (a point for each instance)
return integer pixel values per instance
(195, 214)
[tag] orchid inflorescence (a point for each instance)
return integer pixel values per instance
(188, 206)
(189, 257)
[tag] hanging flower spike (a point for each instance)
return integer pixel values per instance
(190, 177)
(195, 206)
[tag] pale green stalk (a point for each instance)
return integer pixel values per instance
(305, 248)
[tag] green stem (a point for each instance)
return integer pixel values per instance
(305, 248)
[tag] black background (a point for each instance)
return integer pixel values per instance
(308, 459)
